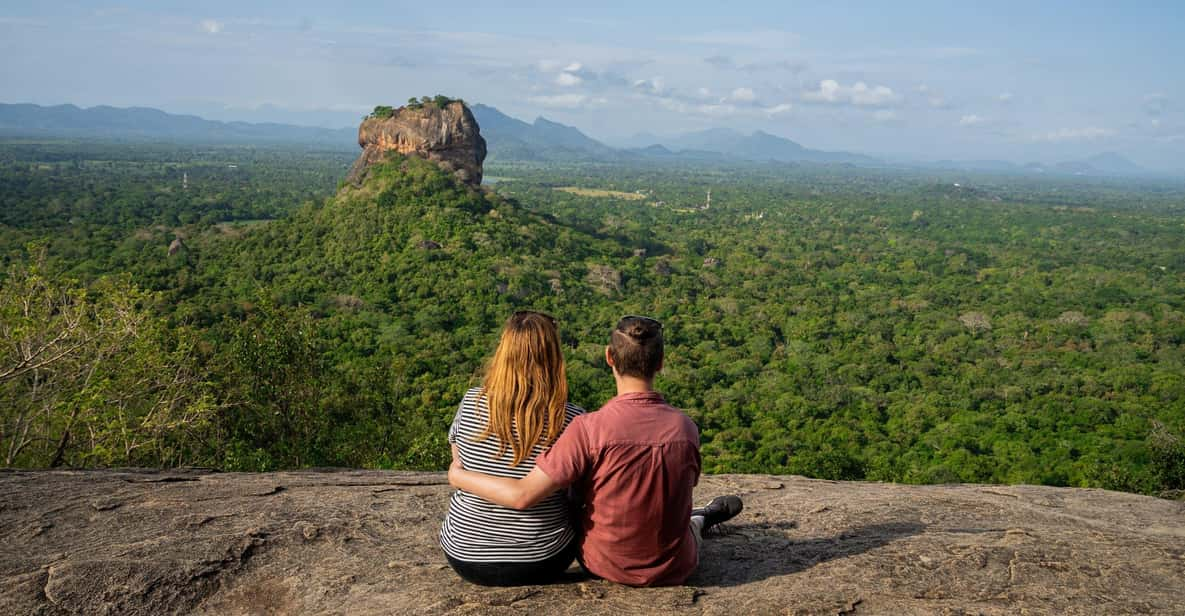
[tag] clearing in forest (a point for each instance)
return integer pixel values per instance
(596, 192)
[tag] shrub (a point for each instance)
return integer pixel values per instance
(1167, 451)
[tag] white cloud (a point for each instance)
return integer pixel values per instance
(971, 120)
(1005, 97)
(832, 92)
(934, 98)
(548, 66)
(1157, 104)
(573, 67)
(720, 61)
(559, 101)
(568, 79)
(211, 26)
(877, 96)
(828, 92)
(716, 110)
(650, 86)
(1075, 134)
(724, 108)
(743, 95)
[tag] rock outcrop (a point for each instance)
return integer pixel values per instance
(364, 542)
(445, 134)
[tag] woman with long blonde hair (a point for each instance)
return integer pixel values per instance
(519, 410)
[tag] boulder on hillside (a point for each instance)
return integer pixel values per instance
(446, 134)
(604, 279)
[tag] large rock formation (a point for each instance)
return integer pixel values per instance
(447, 135)
(364, 542)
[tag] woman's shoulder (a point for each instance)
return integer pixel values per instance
(472, 405)
(573, 411)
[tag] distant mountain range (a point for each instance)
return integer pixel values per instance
(756, 146)
(1107, 163)
(544, 139)
(513, 139)
(145, 123)
(508, 138)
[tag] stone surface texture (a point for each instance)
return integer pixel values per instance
(364, 542)
(448, 136)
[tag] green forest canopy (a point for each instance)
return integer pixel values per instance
(829, 322)
(440, 101)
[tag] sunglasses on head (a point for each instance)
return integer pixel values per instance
(521, 314)
(635, 317)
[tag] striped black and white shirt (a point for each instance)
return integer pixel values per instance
(476, 530)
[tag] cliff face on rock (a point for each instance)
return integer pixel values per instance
(445, 134)
(364, 542)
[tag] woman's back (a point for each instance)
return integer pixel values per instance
(476, 530)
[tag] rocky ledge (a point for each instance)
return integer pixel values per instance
(364, 542)
(446, 134)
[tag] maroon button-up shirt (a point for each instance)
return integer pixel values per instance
(635, 461)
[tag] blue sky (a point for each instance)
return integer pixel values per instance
(1013, 80)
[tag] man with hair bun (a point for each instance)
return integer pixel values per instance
(634, 463)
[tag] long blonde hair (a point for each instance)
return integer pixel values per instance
(525, 386)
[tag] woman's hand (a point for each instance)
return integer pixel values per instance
(454, 466)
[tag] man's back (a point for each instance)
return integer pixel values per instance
(635, 461)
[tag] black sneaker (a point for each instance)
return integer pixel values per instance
(721, 508)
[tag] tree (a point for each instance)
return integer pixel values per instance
(275, 376)
(89, 376)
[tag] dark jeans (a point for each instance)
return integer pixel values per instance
(515, 574)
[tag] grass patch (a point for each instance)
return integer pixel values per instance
(596, 192)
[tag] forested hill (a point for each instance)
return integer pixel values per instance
(343, 334)
(837, 325)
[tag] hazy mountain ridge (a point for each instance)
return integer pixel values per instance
(147, 123)
(757, 146)
(510, 139)
(1106, 163)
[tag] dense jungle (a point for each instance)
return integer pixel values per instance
(244, 308)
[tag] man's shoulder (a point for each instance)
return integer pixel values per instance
(611, 419)
(688, 421)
